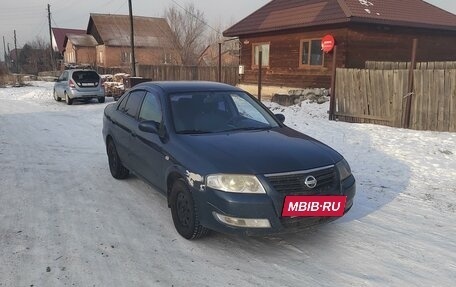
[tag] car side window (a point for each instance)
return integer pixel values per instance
(151, 109)
(64, 76)
(134, 102)
(123, 103)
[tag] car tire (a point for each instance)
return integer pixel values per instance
(68, 100)
(118, 171)
(57, 98)
(101, 100)
(184, 212)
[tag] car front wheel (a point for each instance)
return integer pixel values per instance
(57, 98)
(101, 100)
(185, 213)
(118, 171)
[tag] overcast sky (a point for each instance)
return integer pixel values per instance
(29, 17)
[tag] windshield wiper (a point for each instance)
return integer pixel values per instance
(194, 132)
(249, 129)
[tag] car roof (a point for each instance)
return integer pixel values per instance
(81, 70)
(188, 86)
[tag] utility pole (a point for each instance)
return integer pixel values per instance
(132, 41)
(8, 64)
(15, 53)
(50, 35)
(4, 49)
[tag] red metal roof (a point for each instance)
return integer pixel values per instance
(60, 33)
(288, 14)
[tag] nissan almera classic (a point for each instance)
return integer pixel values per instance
(223, 160)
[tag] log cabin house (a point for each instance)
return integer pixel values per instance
(289, 33)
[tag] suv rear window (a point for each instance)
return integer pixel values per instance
(86, 77)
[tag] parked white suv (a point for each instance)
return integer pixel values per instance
(79, 84)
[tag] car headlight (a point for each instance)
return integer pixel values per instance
(235, 183)
(344, 169)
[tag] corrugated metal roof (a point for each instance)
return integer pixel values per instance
(60, 33)
(114, 30)
(288, 14)
(82, 40)
(414, 13)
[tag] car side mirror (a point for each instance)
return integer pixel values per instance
(280, 117)
(57, 80)
(148, 127)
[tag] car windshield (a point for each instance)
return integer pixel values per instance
(211, 112)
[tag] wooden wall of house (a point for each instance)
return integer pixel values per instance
(284, 68)
(357, 43)
(144, 56)
(388, 43)
(86, 55)
(69, 56)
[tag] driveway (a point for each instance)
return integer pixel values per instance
(66, 222)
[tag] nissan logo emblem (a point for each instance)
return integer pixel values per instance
(310, 181)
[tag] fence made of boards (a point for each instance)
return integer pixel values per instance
(379, 96)
(229, 75)
(375, 65)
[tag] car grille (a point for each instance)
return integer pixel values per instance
(293, 183)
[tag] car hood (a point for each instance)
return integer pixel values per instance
(256, 152)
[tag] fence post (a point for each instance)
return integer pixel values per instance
(260, 70)
(408, 105)
(220, 62)
(332, 99)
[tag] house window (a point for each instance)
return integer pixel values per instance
(256, 52)
(125, 57)
(311, 53)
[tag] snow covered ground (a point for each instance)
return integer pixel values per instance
(64, 221)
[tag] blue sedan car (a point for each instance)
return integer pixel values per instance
(223, 160)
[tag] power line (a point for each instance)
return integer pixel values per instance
(196, 17)
(121, 6)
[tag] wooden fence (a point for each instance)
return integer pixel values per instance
(179, 73)
(374, 65)
(379, 96)
(192, 73)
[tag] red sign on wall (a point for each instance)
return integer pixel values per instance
(327, 43)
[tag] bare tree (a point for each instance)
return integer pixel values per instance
(188, 26)
(34, 57)
(229, 45)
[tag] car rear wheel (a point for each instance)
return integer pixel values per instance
(68, 100)
(118, 171)
(57, 98)
(184, 212)
(101, 100)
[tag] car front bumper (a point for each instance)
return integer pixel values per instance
(212, 204)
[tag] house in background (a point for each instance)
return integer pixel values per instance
(210, 55)
(80, 49)
(58, 38)
(289, 33)
(153, 41)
